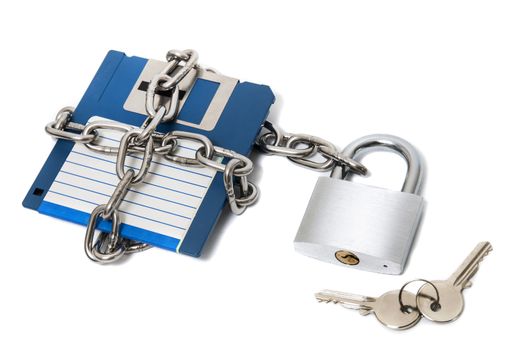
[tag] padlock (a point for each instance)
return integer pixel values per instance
(362, 226)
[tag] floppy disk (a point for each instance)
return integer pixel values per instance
(176, 207)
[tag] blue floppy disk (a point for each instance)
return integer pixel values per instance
(176, 207)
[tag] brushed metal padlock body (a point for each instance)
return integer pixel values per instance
(361, 226)
(377, 225)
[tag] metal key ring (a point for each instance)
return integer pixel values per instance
(408, 307)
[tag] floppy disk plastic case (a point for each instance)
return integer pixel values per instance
(176, 207)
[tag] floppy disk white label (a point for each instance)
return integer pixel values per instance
(165, 203)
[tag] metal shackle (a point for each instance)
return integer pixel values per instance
(366, 144)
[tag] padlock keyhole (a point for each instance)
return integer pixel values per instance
(346, 257)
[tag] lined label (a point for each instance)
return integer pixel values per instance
(166, 202)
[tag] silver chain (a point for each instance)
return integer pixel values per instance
(301, 149)
(108, 247)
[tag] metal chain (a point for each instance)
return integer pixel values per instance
(62, 127)
(303, 149)
(111, 246)
(108, 247)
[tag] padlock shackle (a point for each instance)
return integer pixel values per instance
(387, 142)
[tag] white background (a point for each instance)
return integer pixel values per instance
(448, 76)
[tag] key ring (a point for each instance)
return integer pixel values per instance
(407, 308)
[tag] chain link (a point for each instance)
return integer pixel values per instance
(112, 249)
(175, 57)
(247, 192)
(235, 176)
(62, 123)
(173, 138)
(151, 92)
(274, 141)
(123, 152)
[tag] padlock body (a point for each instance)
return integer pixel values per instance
(374, 224)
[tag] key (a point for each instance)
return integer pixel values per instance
(451, 302)
(386, 308)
